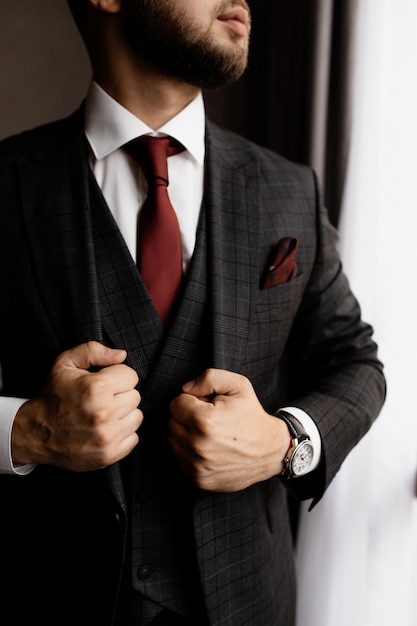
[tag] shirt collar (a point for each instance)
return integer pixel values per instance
(108, 125)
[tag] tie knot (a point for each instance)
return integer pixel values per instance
(152, 154)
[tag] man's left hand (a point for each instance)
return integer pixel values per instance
(220, 435)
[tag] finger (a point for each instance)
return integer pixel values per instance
(130, 422)
(127, 444)
(178, 429)
(128, 432)
(183, 404)
(215, 382)
(115, 443)
(120, 378)
(188, 410)
(124, 403)
(182, 450)
(196, 419)
(179, 449)
(91, 354)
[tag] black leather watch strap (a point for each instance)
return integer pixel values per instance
(300, 450)
(295, 427)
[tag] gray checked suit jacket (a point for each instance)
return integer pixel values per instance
(301, 342)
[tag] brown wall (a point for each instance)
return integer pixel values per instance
(44, 69)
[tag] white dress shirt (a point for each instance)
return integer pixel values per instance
(120, 177)
(108, 126)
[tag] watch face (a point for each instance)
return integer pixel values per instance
(302, 458)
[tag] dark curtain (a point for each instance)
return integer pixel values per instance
(295, 95)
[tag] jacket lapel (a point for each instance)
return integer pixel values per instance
(129, 318)
(54, 191)
(233, 236)
(56, 213)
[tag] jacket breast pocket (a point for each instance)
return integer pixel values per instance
(273, 317)
(281, 302)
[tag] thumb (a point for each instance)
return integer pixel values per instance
(92, 354)
(214, 382)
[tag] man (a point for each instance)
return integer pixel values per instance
(147, 457)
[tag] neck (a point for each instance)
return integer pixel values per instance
(151, 97)
(136, 85)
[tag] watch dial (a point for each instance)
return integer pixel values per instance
(302, 458)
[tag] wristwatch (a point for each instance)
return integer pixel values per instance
(299, 457)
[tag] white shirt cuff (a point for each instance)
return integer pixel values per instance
(312, 431)
(8, 409)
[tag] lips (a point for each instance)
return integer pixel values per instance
(237, 19)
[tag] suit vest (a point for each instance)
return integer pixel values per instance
(161, 555)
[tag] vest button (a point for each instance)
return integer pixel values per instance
(144, 572)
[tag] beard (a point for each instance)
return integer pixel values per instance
(160, 35)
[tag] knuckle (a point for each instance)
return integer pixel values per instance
(93, 388)
(210, 374)
(90, 346)
(103, 440)
(201, 425)
(200, 478)
(97, 414)
(241, 383)
(245, 382)
(134, 399)
(139, 417)
(134, 442)
(175, 405)
(135, 376)
(103, 459)
(202, 451)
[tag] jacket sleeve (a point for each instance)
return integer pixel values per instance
(334, 371)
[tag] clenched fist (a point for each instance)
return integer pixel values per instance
(82, 420)
(222, 438)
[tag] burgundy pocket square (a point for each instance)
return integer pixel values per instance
(283, 267)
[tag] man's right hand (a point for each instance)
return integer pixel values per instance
(82, 420)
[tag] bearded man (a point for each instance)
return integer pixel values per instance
(166, 386)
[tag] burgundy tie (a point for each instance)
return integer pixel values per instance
(159, 254)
